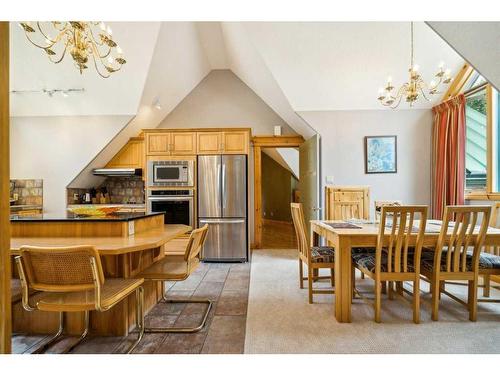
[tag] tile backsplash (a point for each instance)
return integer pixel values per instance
(29, 191)
(124, 190)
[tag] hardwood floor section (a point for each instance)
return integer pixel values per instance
(276, 235)
(225, 283)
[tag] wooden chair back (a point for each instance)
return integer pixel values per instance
(196, 242)
(495, 250)
(299, 224)
(60, 269)
(349, 209)
(336, 194)
(458, 235)
(402, 223)
(380, 204)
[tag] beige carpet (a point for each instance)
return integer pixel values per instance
(280, 320)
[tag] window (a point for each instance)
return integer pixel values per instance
(476, 145)
(482, 165)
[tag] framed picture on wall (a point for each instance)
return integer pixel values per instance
(381, 154)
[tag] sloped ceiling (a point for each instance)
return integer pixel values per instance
(119, 94)
(326, 66)
(178, 65)
(477, 42)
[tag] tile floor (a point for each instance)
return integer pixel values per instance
(226, 284)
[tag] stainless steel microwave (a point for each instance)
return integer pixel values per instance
(170, 173)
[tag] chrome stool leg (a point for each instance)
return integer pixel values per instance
(164, 299)
(43, 348)
(139, 316)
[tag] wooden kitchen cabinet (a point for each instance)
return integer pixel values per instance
(175, 143)
(235, 142)
(130, 156)
(157, 143)
(230, 142)
(182, 143)
(209, 142)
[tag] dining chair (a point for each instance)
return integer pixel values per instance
(489, 260)
(71, 279)
(171, 268)
(314, 257)
(452, 259)
(349, 209)
(397, 255)
(380, 204)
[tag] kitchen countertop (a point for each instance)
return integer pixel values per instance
(68, 216)
(19, 207)
(124, 205)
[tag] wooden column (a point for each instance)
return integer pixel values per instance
(257, 201)
(5, 272)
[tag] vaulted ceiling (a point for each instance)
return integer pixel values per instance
(292, 66)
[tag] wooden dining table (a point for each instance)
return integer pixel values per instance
(343, 239)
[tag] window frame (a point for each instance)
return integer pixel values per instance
(487, 194)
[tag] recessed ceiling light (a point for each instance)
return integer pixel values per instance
(157, 104)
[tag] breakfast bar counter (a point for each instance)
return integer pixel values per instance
(127, 244)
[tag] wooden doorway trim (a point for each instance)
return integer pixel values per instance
(5, 271)
(260, 142)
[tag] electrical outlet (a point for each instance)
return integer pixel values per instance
(329, 180)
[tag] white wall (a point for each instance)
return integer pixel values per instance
(223, 100)
(55, 149)
(342, 141)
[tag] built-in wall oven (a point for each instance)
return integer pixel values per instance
(170, 173)
(177, 205)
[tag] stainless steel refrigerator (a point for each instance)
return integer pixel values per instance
(222, 204)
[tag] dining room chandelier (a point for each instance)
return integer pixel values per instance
(86, 42)
(416, 87)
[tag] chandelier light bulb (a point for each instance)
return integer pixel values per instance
(102, 26)
(432, 84)
(416, 68)
(119, 50)
(110, 60)
(441, 65)
(389, 79)
(110, 32)
(447, 72)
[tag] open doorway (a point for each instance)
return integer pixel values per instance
(280, 187)
(263, 146)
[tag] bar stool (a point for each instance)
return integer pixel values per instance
(171, 269)
(71, 279)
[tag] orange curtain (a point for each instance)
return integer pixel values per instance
(448, 155)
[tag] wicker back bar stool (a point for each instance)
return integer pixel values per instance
(170, 268)
(71, 279)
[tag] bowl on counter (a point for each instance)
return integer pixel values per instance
(94, 211)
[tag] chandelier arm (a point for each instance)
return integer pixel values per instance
(91, 33)
(34, 43)
(97, 69)
(425, 96)
(63, 25)
(95, 53)
(45, 35)
(397, 103)
(62, 56)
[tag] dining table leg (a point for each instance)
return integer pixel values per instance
(343, 284)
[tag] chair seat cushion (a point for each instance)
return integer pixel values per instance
(112, 291)
(322, 254)
(367, 261)
(486, 261)
(170, 269)
(364, 250)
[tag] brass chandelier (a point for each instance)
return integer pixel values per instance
(416, 87)
(87, 42)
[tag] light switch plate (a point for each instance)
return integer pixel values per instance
(329, 180)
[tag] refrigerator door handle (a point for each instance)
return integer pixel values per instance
(222, 221)
(223, 187)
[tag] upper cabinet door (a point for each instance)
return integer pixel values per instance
(209, 143)
(157, 144)
(182, 143)
(130, 156)
(235, 142)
